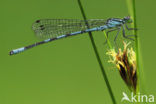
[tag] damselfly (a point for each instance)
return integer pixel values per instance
(54, 29)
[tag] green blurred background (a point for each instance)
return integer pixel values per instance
(66, 71)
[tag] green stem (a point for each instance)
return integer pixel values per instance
(109, 44)
(97, 56)
(136, 45)
(132, 10)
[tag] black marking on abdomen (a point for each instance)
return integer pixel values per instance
(53, 39)
(30, 46)
(83, 31)
(38, 43)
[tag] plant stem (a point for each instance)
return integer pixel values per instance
(132, 10)
(97, 56)
(136, 45)
(109, 44)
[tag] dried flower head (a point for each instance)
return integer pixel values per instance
(125, 61)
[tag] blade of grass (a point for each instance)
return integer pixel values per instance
(136, 44)
(132, 10)
(97, 56)
(140, 73)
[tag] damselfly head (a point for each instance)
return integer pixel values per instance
(127, 19)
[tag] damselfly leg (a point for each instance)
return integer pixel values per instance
(129, 28)
(123, 32)
(109, 32)
(126, 36)
(119, 28)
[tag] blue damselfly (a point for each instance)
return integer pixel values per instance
(54, 29)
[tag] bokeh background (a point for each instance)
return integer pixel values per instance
(66, 71)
